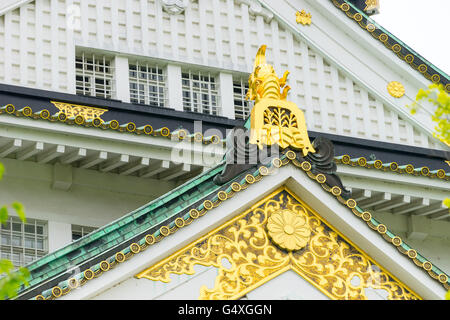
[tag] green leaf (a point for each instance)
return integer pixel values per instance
(3, 214)
(421, 94)
(19, 210)
(6, 266)
(2, 170)
(24, 275)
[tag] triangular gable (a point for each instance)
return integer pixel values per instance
(278, 234)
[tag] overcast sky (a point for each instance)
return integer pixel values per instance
(423, 25)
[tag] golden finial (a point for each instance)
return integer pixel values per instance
(264, 82)
(303, 17)
(274, 120)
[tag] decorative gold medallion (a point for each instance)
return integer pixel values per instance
(73, 110)
(303, 17)
(277, 234)
(372, 5)
(273, 119)
(396, 89)
(288, 229)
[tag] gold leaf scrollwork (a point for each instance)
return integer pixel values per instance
(73, 110)
(259, 245)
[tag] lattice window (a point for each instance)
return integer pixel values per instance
(200, 93)
(94, 76)
(147, 84)
(242, 107)
(80, 231)
(21, 242)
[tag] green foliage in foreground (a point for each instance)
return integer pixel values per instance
(12, 279)
(436, 95)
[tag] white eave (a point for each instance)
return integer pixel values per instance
(8, 5)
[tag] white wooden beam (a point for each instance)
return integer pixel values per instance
(54, 43)
(195, 171)
(434, 208)
(155, 169)
(30, 151)
(144, 26)
(412, 206)
(74, 156)
(115, 163)
(134, 166)
(175, 172)
(10, 147)
(94, 160)
(51, 154)
(375, 200)
(395, 203)
(361, 195)
(441, 216)
(226, 92)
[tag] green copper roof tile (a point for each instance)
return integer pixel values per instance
(124, 228)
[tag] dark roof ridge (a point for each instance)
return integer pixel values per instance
(403, 51)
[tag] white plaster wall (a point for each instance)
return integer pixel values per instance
(59, 234)
(287, 286)
(94, 199)
(38, 43)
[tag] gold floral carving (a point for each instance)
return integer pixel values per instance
(323, 257)
(288, 229)
(303, 17)
(274, 120)
(73, 110)
(396, 89)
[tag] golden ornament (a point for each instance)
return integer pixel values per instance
(396, 89)
(274, 120)
(288, 229)
(328, 261)
(73, 110)
(303, 17)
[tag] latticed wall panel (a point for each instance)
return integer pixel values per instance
(38, 41)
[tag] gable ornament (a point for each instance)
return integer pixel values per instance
(303, 17)
(396, 89)
(174, 6)
(274, 120)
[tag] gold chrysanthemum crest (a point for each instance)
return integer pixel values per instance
(303, 17)
(288, 229)
(396, 89)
